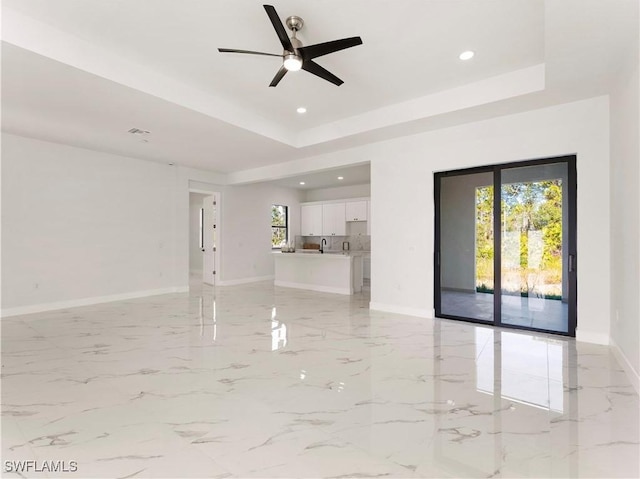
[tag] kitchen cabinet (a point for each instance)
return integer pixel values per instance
(356, 211)
(333, 217)
(311, 220)
(334, 221)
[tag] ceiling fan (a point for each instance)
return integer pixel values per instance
(295, 55)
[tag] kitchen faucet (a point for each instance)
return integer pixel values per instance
(322, 244)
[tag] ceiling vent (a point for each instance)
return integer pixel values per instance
(138, 131)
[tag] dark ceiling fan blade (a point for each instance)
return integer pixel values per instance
(232, 50)
(319, 49)
(313, 67)
(276, 79)
(277, 24)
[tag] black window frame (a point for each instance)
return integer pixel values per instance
(285, 227)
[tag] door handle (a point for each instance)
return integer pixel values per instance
(572, 263)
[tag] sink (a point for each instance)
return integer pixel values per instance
(316, 251)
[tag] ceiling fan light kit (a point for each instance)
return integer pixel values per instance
(466, 55)
(296, 56)
(292, 62)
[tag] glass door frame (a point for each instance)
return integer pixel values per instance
(570, 271)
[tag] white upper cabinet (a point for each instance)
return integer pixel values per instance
(356, 211)
(334, 219)
(311, 220)
(331, 218)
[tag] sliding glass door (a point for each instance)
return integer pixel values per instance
(465, 246)
(505, 245)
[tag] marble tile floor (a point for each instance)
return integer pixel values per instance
(257, 381)
(547, 314)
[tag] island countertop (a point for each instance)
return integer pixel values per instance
(331, 272)
(332, 253)
(315, 254)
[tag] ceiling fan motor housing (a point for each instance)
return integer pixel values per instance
(294, 23)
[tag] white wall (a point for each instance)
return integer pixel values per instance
(625, 215)
(402, 200)
(244, 220)
(195, 252)
(79, 224)
(402, 195)
(338, 193)
(246, 229)
(81, 227)
(402, 205)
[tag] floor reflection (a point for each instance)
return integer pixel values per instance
(531, 368)
(520, 411)
(278, 332)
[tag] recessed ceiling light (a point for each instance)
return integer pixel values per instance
(301, 110)
(302, 182)
(341, 177)
(468, 55)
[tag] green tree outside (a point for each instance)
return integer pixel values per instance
(531, 220)
(278, 225)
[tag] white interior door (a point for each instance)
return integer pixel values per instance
(210, 236)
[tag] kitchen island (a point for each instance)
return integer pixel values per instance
(331, 272)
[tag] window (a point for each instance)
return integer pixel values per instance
(279, 225)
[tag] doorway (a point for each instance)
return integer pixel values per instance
(505, 245)
(204, 234)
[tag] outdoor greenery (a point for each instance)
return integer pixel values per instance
(278, 225)
(484, 239)
(531, 219)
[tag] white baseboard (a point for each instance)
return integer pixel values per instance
(634, 377)
(313, 287)
(74, 303)
(591, 337)
(392, 308)
(233, 282)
